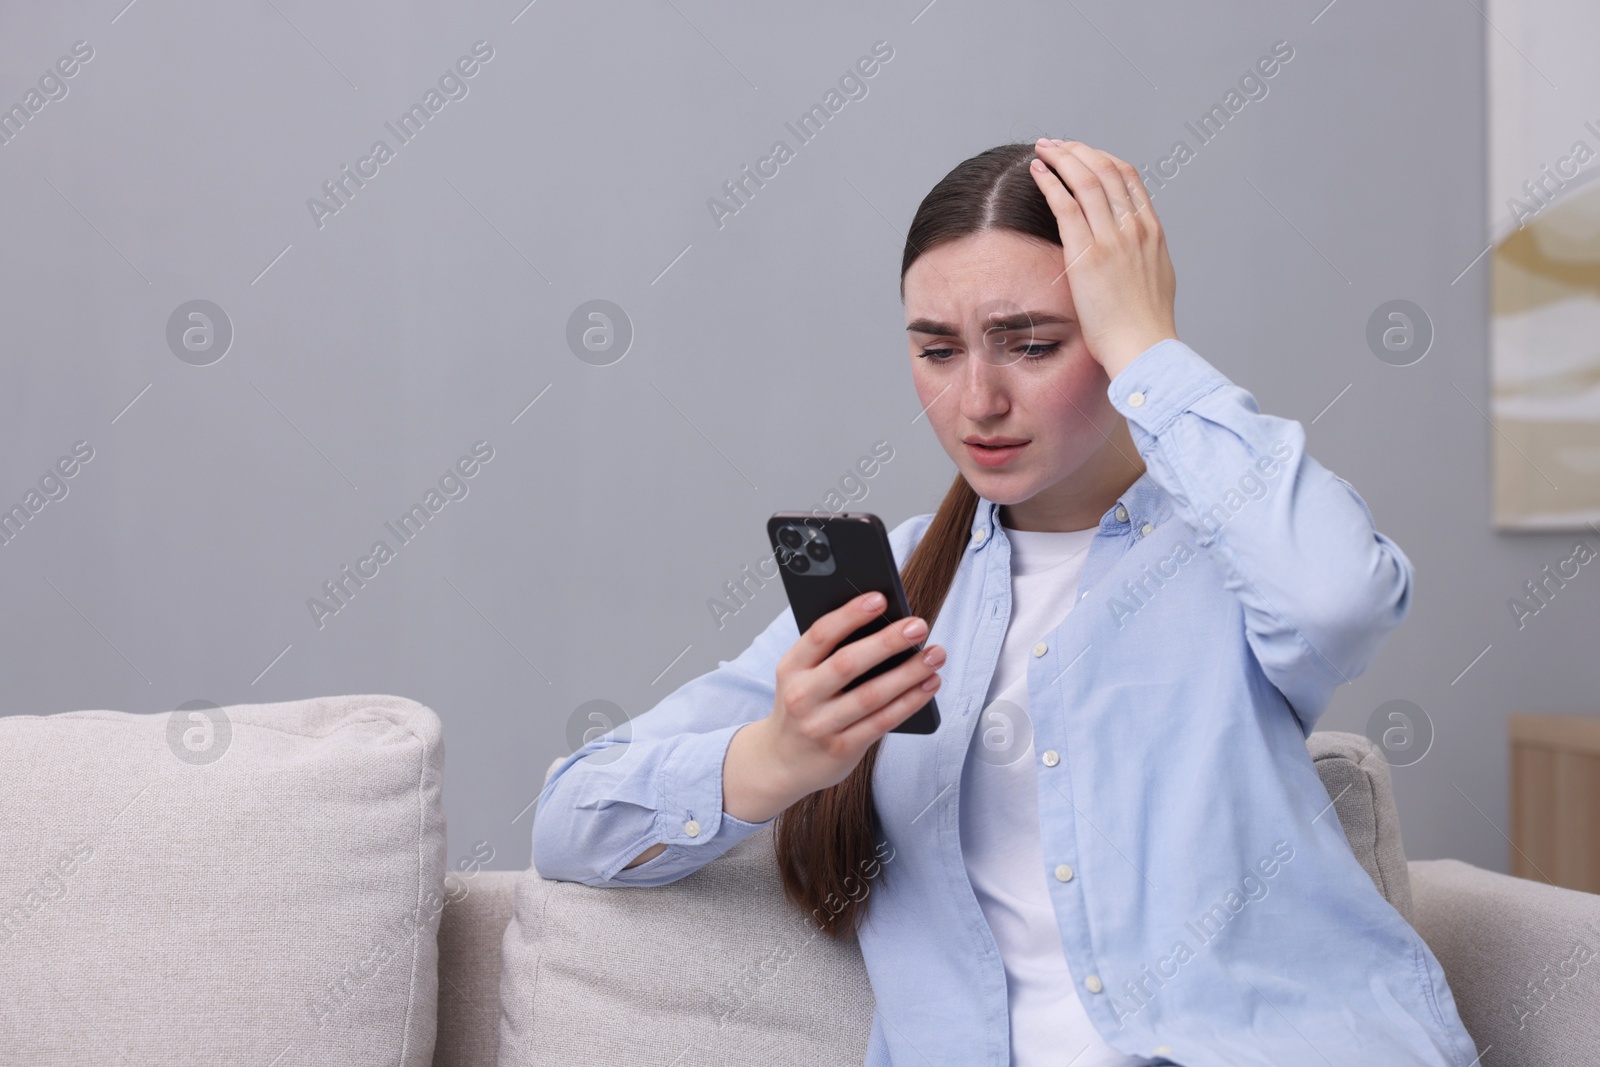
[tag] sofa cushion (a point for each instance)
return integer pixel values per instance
(258, 883)
(719, 968)
(477, 909)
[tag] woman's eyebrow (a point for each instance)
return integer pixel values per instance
(1007, 324)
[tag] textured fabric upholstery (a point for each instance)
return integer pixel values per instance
(1523, 959)
(715, 968)
(258, 884)
(1356, 777)
(471, 928)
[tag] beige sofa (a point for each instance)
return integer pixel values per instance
(286, 901)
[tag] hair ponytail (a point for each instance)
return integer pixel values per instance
(826, 842)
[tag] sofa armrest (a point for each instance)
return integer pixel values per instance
(1522, 958)
(471, 928)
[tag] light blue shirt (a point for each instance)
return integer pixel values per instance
(1209, 905)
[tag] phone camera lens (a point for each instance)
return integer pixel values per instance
(799, 564)
(790, 536)
(818, 551)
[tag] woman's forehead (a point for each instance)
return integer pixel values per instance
(994, 273)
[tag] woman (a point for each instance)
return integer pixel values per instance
(1115, 849)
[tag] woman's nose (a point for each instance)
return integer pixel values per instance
(983, 392)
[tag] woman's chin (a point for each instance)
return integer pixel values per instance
(1002, 486)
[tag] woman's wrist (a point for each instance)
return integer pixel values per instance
(754, 785)
(1122, 352)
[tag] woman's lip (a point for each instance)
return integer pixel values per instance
(994, 457)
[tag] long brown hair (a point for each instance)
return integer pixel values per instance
(826, 842)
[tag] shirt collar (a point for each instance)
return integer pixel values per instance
(1142, 502)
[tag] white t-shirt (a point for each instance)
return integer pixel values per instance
(1000, 820)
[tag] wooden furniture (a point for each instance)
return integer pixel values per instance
(1555, 799)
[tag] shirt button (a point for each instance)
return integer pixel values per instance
(1050, 757)
(977, 538)
(1135, 399)
(1040, 649)
(1063, 873)
(1162, 1050)
(1083, 594)
(691, 828)
(1122, 513)
(1146, 530)
(1092, 983)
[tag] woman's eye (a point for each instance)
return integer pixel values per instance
(1035, 350)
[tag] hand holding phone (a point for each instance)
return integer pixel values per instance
(854, 675)
(830, 560)
(819, 730)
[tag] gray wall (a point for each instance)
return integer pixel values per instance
(371, 351)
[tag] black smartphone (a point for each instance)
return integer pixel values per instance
(827, 560)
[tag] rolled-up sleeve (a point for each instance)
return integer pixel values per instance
(658, 779)
(1320, 586)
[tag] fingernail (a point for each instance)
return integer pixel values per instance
(872, 602)
(933, 656)
(914, 628)
(931, 684)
